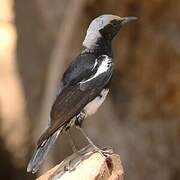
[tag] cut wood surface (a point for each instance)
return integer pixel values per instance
(87, 166)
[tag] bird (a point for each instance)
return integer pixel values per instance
(84, 85)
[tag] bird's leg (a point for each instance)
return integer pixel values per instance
(73, 147)
(78, 123)
(73, 163)
(88, 139)
(90, 142)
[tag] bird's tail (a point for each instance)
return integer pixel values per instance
(41, 152)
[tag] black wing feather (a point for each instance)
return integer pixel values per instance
(81, 68)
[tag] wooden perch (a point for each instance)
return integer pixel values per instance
(87, 165)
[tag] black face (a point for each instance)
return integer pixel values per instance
(110, 30)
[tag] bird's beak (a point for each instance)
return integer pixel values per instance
(125, 20)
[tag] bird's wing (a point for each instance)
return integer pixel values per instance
(74, 97)
(81, 68)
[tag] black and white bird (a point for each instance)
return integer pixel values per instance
(84, 85)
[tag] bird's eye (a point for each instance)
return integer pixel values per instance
(114, 23)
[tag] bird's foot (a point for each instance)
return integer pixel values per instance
(107, 151)
(104, 151)
(100, 151)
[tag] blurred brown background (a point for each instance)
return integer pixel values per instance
(140, 118)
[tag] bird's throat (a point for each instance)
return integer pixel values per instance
(100, 47)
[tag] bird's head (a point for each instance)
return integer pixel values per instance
(104, 26)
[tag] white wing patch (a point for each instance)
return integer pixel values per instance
(95, 64)
(101, 69)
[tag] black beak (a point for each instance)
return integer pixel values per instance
(127, 19)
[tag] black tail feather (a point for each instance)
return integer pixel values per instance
(41, 152)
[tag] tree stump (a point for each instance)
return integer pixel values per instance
(87, 164)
